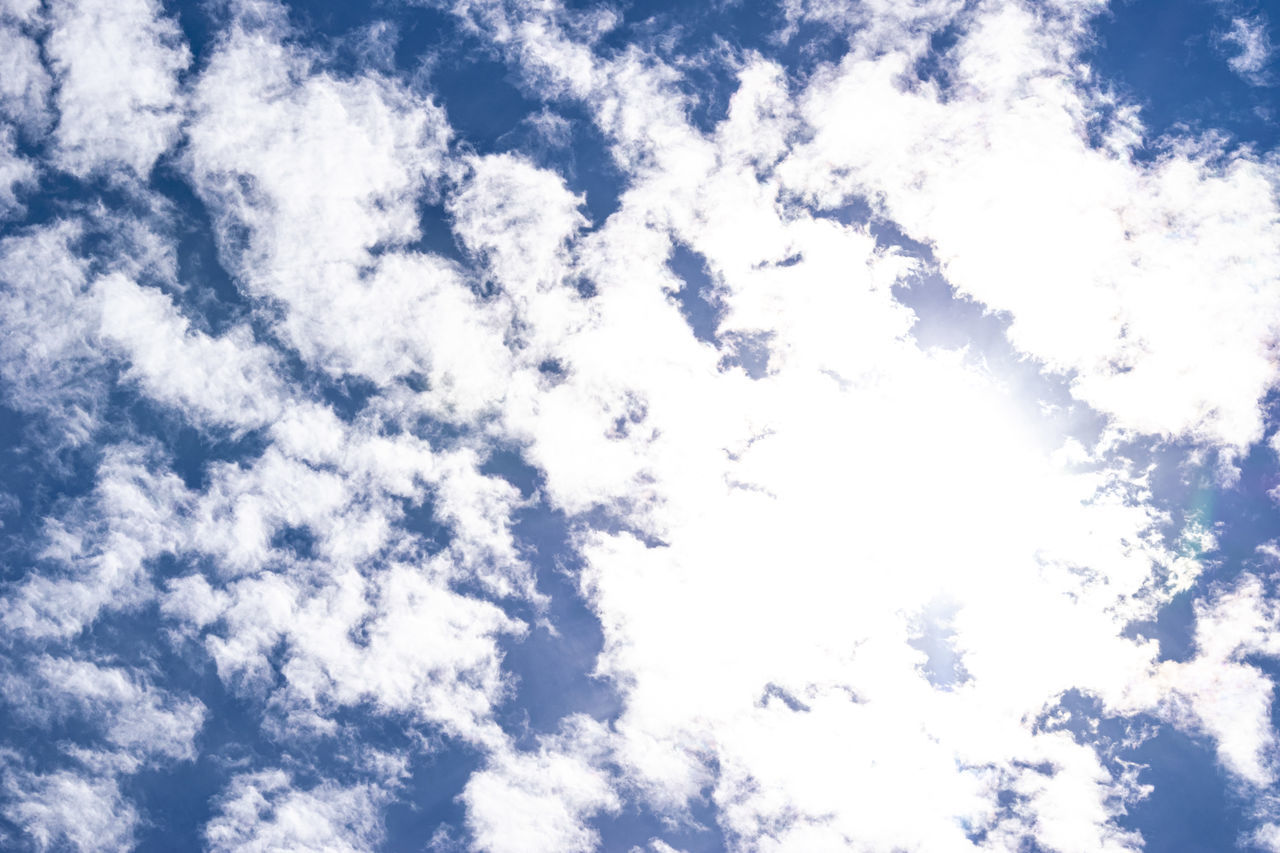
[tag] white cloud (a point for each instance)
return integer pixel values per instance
(113, 113)
(1268, 837)
(226, 381)
(1251, 50)
(518, 218)
(138, 721)
(17, 175)
(765, 514)
(23, 11)
(63, 339)
(1219, 692)
(65, 810)
(102, 545)
(789, 509)
(540, 801)
(657, 845)
(261, 812)
(257, 144)
(877, 25)
(1099, 259)
(49, 365)
(24, 82)
(402, 643)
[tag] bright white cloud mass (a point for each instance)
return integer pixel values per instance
(522, 425)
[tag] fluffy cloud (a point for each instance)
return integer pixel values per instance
(224, 381)
(540, 801)
(24, 83)
(103, 546)
(113, 112)
(1106, 278)
(66, 810)
(50, 368)
(264, 812)
(135, 719)
(769, 613)
(17, 173)
(837, 573)
(257, 144)
(1221, 691)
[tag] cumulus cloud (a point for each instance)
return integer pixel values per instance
(1221, 691)
(1119, 257)
(716, 491)
(138, 721)
(50, 368)
(845, 582)
(541, 801)
(25, 83)
(103, 546)
(263, 812)
(229, 379)
(1267, 837)
(17, 174)
(256, 147)
(67, 810)
(112, 111)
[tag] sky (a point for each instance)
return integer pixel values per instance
(547, 425)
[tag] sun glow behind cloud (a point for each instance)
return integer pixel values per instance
(824, 426)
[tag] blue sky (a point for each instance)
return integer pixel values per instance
(524, 426)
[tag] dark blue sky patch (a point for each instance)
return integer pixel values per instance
(300, 542)
(934, 67)
(437, 237)
(1192, 809)
(589, 167)
(348, 395)
(428, 799)
(419, 518)
(1239, 516)
(508, 463)
(554, 671)
(696, 297)
(1173, 628)
(189, 450)
(178, 799)
(175, 802)
(482, 98)
(1163, 54)
(63, 196)
(1244, 515)
(194, 451)
(697, 832)
(201, 25)
(1083, 716)
(553, 664)
(812, 48)
(207, 295)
